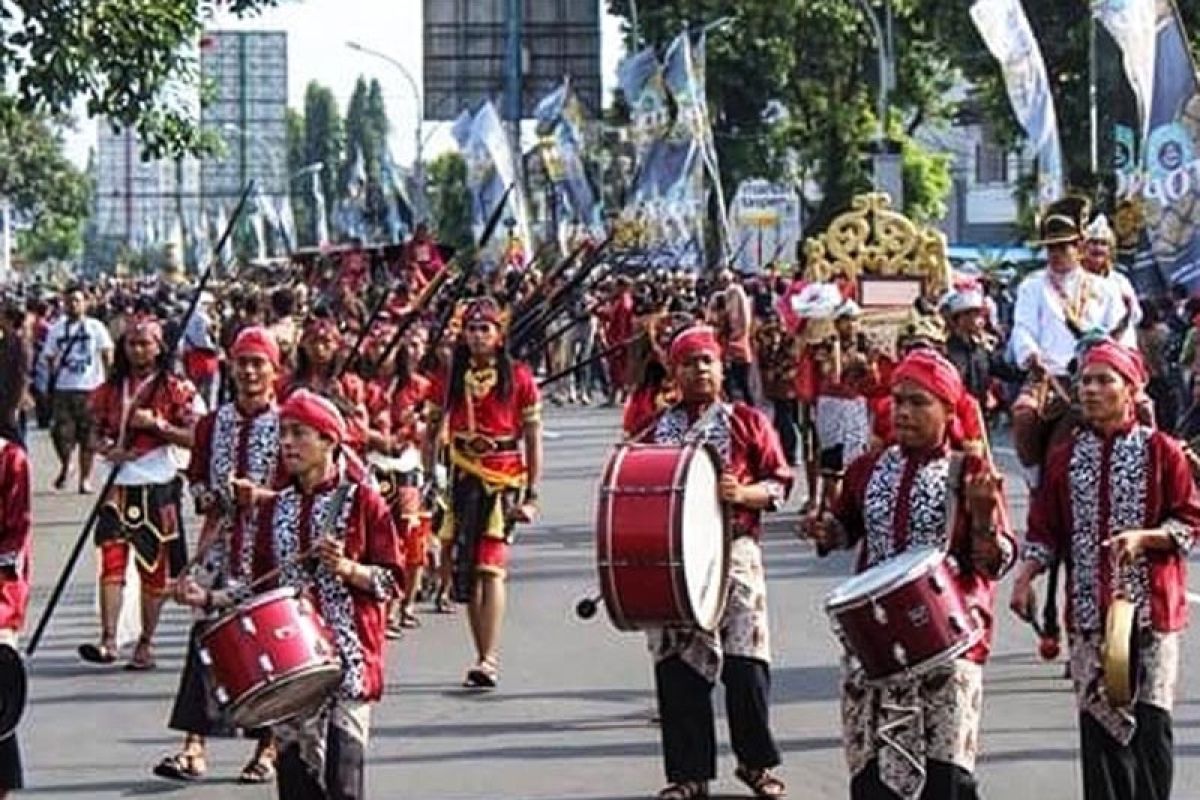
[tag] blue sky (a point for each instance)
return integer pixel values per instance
(317, 34)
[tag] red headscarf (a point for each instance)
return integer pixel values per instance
(316, 412)
(935, 374)
(693, 340)
(1125, 361)
(256, 341)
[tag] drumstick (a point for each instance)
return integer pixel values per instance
(274, 572)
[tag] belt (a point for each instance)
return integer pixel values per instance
(410, 478)
(480, 445)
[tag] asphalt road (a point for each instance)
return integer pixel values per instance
(572, 716)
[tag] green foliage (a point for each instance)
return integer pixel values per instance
(49, 195)
(317, 135)
(124, 58)
(450, 200)
(792, 89)
(927, 181)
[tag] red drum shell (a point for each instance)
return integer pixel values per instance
(904, 616)
(271, 658)
(642, 550)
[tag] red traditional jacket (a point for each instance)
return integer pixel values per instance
(111, 405)
(14, 536)
(1096, 486)
(499, 419)
(357, 619)
(231, 443)
(894, 500)
(405, 407)
(749, 449)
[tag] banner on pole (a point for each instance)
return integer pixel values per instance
(764, 223)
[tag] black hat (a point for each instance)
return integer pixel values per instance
(13, 688)
(1063, 221)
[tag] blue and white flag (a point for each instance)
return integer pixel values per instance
(1133, 24)
(491, 169)
(320, 217)
(1007, 34)
(560, 128)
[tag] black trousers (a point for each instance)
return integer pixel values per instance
(196, 710)
(1141, 770)
(10, 764)
(689, 736)
(943, 781)
(787, 418)
(737, 381)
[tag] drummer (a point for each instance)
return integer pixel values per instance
(358, 572)
(1117, 494)
(15, 544)
(688, 660)
(894, 500)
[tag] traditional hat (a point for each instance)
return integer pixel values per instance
(1063, 221)
(1124, 360)
(1100, 231)
(962, 300)
(693, 340)
(256, 341)
(316, 412)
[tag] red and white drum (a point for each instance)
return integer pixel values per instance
(271, 658)
(904, 616)
(662, 537)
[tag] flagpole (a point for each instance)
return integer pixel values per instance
(1093, 106)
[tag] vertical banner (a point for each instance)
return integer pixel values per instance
(490, 170)
(1158, 177)
(764, 224)
(1133, 24)
(1005, 30)
(562, 145)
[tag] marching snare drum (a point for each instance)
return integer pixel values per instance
(271, 658)
(904, 616)
(662, 537)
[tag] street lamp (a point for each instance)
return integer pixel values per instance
(418, 160)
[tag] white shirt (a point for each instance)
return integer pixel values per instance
(1039, 320)
(80, 345)
(1124, 290)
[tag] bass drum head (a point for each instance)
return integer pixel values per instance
(883, 576)
(287, 697)
(704, 546)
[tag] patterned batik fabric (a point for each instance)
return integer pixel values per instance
(846, 422)
(262, 455)
(347, 721)
(332, 594)
(1158, 676)
(743, 629)
(905, 723)
(926, 504)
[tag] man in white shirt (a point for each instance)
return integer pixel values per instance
(1056, 307)
(78, 353)
(1098, 260)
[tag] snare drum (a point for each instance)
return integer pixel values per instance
(662, 537)
(904, 616)
(271, 658)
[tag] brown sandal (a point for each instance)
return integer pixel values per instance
(688, 790)
(143, 657)
(762, 782)
(181, 767)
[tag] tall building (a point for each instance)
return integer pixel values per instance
(248, 111)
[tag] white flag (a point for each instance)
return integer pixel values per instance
(1006, 31)
(1134, 26)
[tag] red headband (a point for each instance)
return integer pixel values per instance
(1126, 362)
(693, 340)
(256, 341)
(482, 310)
(933, 373)
(316, 412)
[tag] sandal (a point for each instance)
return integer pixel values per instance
(259, 770)
(181, 767)
(409, 620)
(442, 604)
(394, 631)
(97, 653)
(143, 657)
(684, 791)
(761, 781)
(483, 675)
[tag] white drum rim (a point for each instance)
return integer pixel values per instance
(607, 573)
(947, 656)
(709, 616)
(864, 586)
(332, 668)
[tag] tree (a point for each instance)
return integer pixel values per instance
(366, 137)
(451, 200)
(124, 58)
(49, 195)
(316, 136)
(810, 110)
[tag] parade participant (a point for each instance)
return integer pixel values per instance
(919, 737)
(969, 348)
(319, 369)
(490, 408)
(616, 325)
(422, 252)
(1055, 307)
(15, 546)
(235, 462)
(739, 318)
(1097, 258)
(755, 478)
(323, 755)
(78, 352)
(655, 391)
(140, 412)
(1119, 507)
(777, 353)
(201, 356)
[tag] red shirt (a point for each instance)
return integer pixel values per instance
(14, 536)
(498, 418)
(1138, 477)
(112, 404)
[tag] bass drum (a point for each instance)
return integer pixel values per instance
(662, 537)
